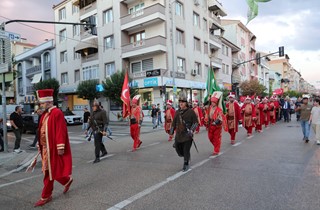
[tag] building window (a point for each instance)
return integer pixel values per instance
(205, 24)
(196, 19)
(227, 69)
(136, 8)
(90, 72)
(62, 35)
(62, 13)
(75, 9)
(179, 9)
(76, 30)
(64, 78)
(20, 86)
(143, 65)
(206, 70)
(108, 42)
(227, 51)
(180, 36)
(197, 67)
(181, 65)
(136, 38)
(205, 47)
(47, 75)
(224, 68)
(76, 55)
(110, 69)
(107, 16)
(76, 75)
(196, 44)
(63, 57)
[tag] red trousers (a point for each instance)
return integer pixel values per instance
(266, 123)
(214, 134)
(259, 127)
(198, 129)
(135, 135)
(232, 134)
(249, 129)
(273, 120)
(48, 184)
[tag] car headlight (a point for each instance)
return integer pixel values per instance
(8, 124)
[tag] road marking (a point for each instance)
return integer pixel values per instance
(250, 137)
(149, 145)
(27, 163)
(91, 161)
(76, 142)
(237, 144)
(18, 181)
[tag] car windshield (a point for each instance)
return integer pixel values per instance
(68, 113)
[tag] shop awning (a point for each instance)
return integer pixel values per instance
(36, 78)
(91, 43)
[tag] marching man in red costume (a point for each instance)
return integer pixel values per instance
(233, 116)
(54, 147)
(136, 118)
(199, 115)
(265, 114)
(259, 120)
(215, 120)
(249, 115)
(272, 110)
(168, 116)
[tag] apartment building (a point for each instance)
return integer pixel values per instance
(166, 46)
(282, 66)
(237, 33)
(274, 80)
(33, 66)
(264, 70)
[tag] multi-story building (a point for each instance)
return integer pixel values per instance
(294, 76)
(162, 43)
(263, 71)
(282, 66)
(34, 65)
(237, 33)
(274, 80)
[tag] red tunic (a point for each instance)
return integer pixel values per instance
(56, 137)
(199, 114)
(248, 112)
(235, 116)
(168, 116)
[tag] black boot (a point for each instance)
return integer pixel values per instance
(97, 160)
(185, 167)
(104, 153)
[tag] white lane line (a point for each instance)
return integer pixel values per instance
(250, 137)
(76, 142)
(155, 187)
(236, 144)
(91, 161)
(18, 181)
(76, 138)
(149, 145)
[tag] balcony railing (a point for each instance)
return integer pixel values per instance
(30, 89)
(85, 4)
(34, 70)
(91, 57)
(216, 60)
(215, 38)
(151, 42)
(156, 8)
(20, 91)
(47, 65)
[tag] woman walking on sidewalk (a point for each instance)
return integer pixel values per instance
(315, 119)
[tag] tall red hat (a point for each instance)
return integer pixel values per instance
(232, 95)
(248, 98)
(169, 102)
(135, 99)
(258, 98)
(45, 95)
(195, 102)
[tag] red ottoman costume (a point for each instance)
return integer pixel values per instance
(168, 116)
(136, 118)
(249, 115)
(233, 116)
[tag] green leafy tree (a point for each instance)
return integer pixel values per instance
(88, 90)
(292, 93)
(252, 87)
(49, 84)
(113, 87)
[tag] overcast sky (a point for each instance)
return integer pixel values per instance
(294, 24)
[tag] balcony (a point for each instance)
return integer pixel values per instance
(87, 6)
(91, 57)
(33, 70)
(47, 65)
(216, 7)
(152, 45)
(147, 16)
(30, 89)
(235, 62)
(20, 91)
(216, 63)
(215, 42)
(235, 77)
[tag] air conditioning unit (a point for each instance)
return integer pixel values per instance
(196, 2)
(194, 72)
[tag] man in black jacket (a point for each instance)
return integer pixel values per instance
(184, 123)
(98, 122)
(17, 126)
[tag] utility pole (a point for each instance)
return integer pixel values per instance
(173, 4)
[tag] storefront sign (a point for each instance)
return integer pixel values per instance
(153, 73)
(133, 84)
(150, 82)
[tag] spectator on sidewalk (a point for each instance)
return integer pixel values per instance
(159, 114)
(86, 116)
(1, 134)
(35, 140)
(17, 126)
(298, 104)
(154, 116)
(315, 119)
(305, 112)
(286, 109)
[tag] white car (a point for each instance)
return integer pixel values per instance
(72, 119)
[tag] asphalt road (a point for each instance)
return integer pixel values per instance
(272, 170)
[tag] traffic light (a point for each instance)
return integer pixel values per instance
(281, 51)
(92, 25)
(258, 58)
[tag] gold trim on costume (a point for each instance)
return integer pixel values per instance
(48, 147)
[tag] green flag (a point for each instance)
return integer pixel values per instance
(253, 8)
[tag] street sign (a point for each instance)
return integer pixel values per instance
(10, 35)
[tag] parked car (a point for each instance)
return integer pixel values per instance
(72, 119)
(30, 122)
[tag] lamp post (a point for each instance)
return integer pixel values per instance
(172, 5)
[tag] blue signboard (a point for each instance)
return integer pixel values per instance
(150, 82)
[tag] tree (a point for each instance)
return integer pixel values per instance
(113, 87)
(252, 87)
(88, 90)
(49, 84)
(292, 93)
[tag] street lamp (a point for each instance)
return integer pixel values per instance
(172, 5)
